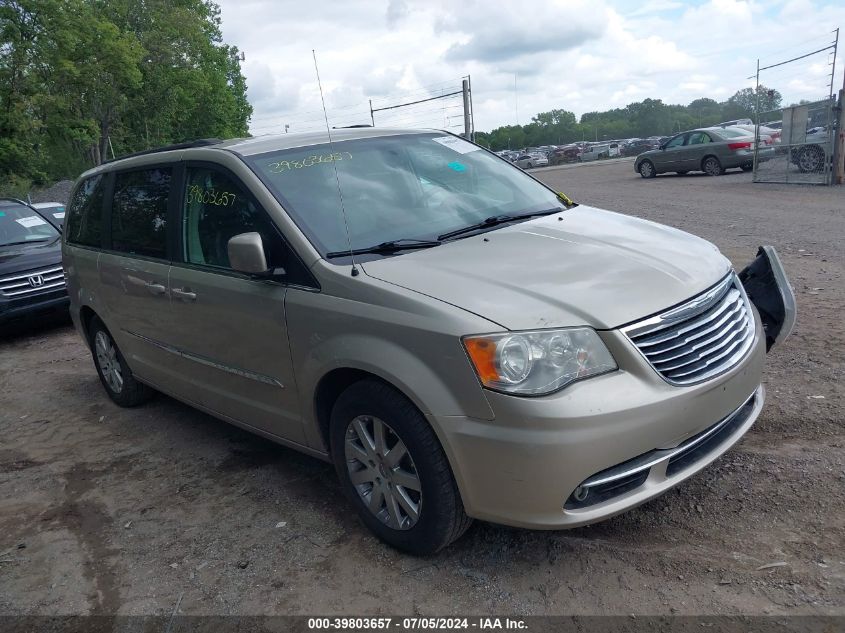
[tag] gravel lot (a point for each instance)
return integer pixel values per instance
(104, 510)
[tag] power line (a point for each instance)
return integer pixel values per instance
(404, 93)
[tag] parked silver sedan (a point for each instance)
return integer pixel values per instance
(536, 159)
(711, 150)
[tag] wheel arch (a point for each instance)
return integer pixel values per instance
(328, 390)
(86, 316)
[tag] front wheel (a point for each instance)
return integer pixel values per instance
(712, 167)
(394, 471)
(747, 167)
(114, 373)
(647, 169)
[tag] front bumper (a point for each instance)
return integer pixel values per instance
(15, 309)
(523, 467)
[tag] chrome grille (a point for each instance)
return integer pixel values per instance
(699, 339)
(32, 282)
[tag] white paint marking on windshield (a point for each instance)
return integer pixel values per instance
(30, 221)
(456, 144)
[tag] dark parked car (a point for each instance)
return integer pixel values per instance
(565, 154)
(638, 146)
(53, 212)
(811, 158)
(711, 150)
(31, 276)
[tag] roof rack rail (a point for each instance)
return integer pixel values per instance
(202, 142)
(349, 127)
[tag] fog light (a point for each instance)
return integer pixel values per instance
(580, 493)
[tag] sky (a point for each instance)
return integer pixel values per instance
(523, 57)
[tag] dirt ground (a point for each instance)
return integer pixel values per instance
(105, 511)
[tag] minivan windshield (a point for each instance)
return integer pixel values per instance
(394, 188)
(22, 225)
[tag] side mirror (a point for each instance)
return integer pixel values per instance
(246, 254)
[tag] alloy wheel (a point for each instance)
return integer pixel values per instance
(108, 361)
(808, 160)
(646, 169)
(712, 167)
(383, 473)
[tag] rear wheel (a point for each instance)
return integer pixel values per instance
(114, 373)
(647, 169)
(392, 468)
(747, 167)
(712, 167)
(810, 159)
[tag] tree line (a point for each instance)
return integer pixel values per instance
(650, 117)
(82, 80)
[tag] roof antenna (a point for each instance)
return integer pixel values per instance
(334, 164)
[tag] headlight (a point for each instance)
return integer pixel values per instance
(536, 363)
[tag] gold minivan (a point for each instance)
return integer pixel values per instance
(458, 339)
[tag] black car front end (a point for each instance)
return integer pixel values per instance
(31, 275)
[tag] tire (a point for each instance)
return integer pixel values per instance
(810, 159)
(646, 169)
(113, 371)
(529, 166)
(353, 437)
(712, 167)
(747, 167)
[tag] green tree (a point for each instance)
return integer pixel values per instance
(80, 76)
(743, 103)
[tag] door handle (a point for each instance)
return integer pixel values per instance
(156, 289)
(184, 294)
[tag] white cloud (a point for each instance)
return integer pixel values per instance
(581, 55)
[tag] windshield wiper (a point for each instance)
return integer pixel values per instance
(390, 246)
(495, 220)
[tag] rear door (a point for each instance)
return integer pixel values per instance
(134, 268)
(230, 329)
(699, 145)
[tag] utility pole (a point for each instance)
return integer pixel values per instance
(471, 111)
(756, 120)
(839, 143)
(372, 116)
(467, 124)
(838, 176)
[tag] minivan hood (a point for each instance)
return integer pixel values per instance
(584, 266)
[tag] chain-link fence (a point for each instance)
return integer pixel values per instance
(795, 145)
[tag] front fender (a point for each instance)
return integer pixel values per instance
(419, 352)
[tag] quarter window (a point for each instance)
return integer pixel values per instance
(139, 212)
(84, 224)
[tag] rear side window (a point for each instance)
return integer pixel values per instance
(139, 212)
(84, 225)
